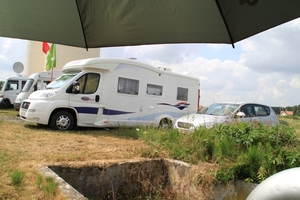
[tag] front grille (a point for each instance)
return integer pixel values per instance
(184, 125)
(25, 105)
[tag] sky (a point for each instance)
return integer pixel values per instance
(264, 68)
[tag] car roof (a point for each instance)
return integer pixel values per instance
(240, 103)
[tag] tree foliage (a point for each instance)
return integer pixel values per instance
(295, 109)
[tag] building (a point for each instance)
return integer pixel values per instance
(286, 113)
(36, 59)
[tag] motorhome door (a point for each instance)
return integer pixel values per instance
(87, 101)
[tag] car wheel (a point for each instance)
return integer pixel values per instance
(62, 120)
(165, 123)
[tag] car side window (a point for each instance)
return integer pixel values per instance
(248, 110)
(261, 110)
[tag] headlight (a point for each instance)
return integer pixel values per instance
(209, 125)
(185, 125)
(48, 94)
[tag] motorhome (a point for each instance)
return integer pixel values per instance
(10, 89)
(112, 92)
(36, 81)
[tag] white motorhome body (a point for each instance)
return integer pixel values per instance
(36, 81)
(111, 92)
(11, 88)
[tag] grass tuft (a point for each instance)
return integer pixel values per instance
(17, 177)
(48, 185)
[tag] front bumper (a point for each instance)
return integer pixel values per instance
(34, 113)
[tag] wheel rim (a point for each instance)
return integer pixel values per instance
(165, 124)
(63, 122)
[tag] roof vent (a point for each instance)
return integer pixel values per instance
(165, 69)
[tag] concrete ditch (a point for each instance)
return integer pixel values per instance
(139, 179)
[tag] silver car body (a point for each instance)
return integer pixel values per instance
(219, 113)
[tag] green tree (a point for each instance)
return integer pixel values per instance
(1, 84)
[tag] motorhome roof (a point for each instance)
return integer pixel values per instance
(18, 78)
(92, 64)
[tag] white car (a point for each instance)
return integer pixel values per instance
(219, 113)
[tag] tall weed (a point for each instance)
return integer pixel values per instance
(247, 151)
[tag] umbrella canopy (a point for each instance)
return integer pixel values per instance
(107, 23)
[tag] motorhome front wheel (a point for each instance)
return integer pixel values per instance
(4, 103)
(62, 120)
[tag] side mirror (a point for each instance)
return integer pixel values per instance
(240, 114)
(75, 87)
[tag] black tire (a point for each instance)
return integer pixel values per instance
(165, 123)
(5, 104)
(63, 121)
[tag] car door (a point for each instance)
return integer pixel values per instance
(87, 101)
(263, 114)
(256, 112)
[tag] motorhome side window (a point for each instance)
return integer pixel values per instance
(154, 89)
(12, 85)
(128, 86)
(88, 83)
(182, 94)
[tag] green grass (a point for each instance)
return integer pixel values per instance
(250, 152)
(293, 121)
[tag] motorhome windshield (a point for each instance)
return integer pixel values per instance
(60, 81)
(27, 85)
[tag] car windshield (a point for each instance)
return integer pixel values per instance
(60, 81)
(219, 109)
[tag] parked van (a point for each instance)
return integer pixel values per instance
(11, 88)
(36, 81)
(112, 92)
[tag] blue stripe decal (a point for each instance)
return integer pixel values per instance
(114, 112)
(180, 105)
(87, 110)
